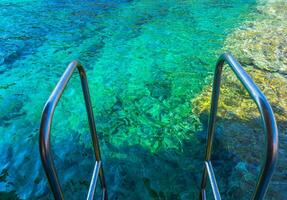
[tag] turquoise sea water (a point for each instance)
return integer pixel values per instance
(145, 60)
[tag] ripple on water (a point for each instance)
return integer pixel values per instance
(145, 61)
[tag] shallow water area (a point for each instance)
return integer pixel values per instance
(145, 60)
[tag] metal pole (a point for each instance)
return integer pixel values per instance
(268, 120)
(46, 123)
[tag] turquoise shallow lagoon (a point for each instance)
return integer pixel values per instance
(146, 60)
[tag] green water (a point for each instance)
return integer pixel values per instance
(145, 60)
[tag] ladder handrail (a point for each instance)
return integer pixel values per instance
(268, 120)
(45, 129)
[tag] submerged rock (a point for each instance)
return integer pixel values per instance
(261, 47)
(235, 102)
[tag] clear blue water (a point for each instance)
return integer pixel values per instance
(145, 60)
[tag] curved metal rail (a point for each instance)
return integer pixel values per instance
(45, 132)
(268, 121)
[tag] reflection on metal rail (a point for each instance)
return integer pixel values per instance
(45, 132)
(268, 121)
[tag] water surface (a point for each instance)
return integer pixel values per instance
(145, 60)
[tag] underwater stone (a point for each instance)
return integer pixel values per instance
(261, 47)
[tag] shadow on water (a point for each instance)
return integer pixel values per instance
(238, 151)
(8, 195)
(133, 172)
(167, 174)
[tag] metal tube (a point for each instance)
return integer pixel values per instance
(46, 123)
(211, 123)
(268, 120)
(212, 180)
(93, 185)
(92, 126)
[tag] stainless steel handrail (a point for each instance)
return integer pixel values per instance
(212, 179)
(45, 130)
(267, 117)
(93, 183)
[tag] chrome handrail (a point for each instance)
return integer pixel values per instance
(45, 131)
(268, 120)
